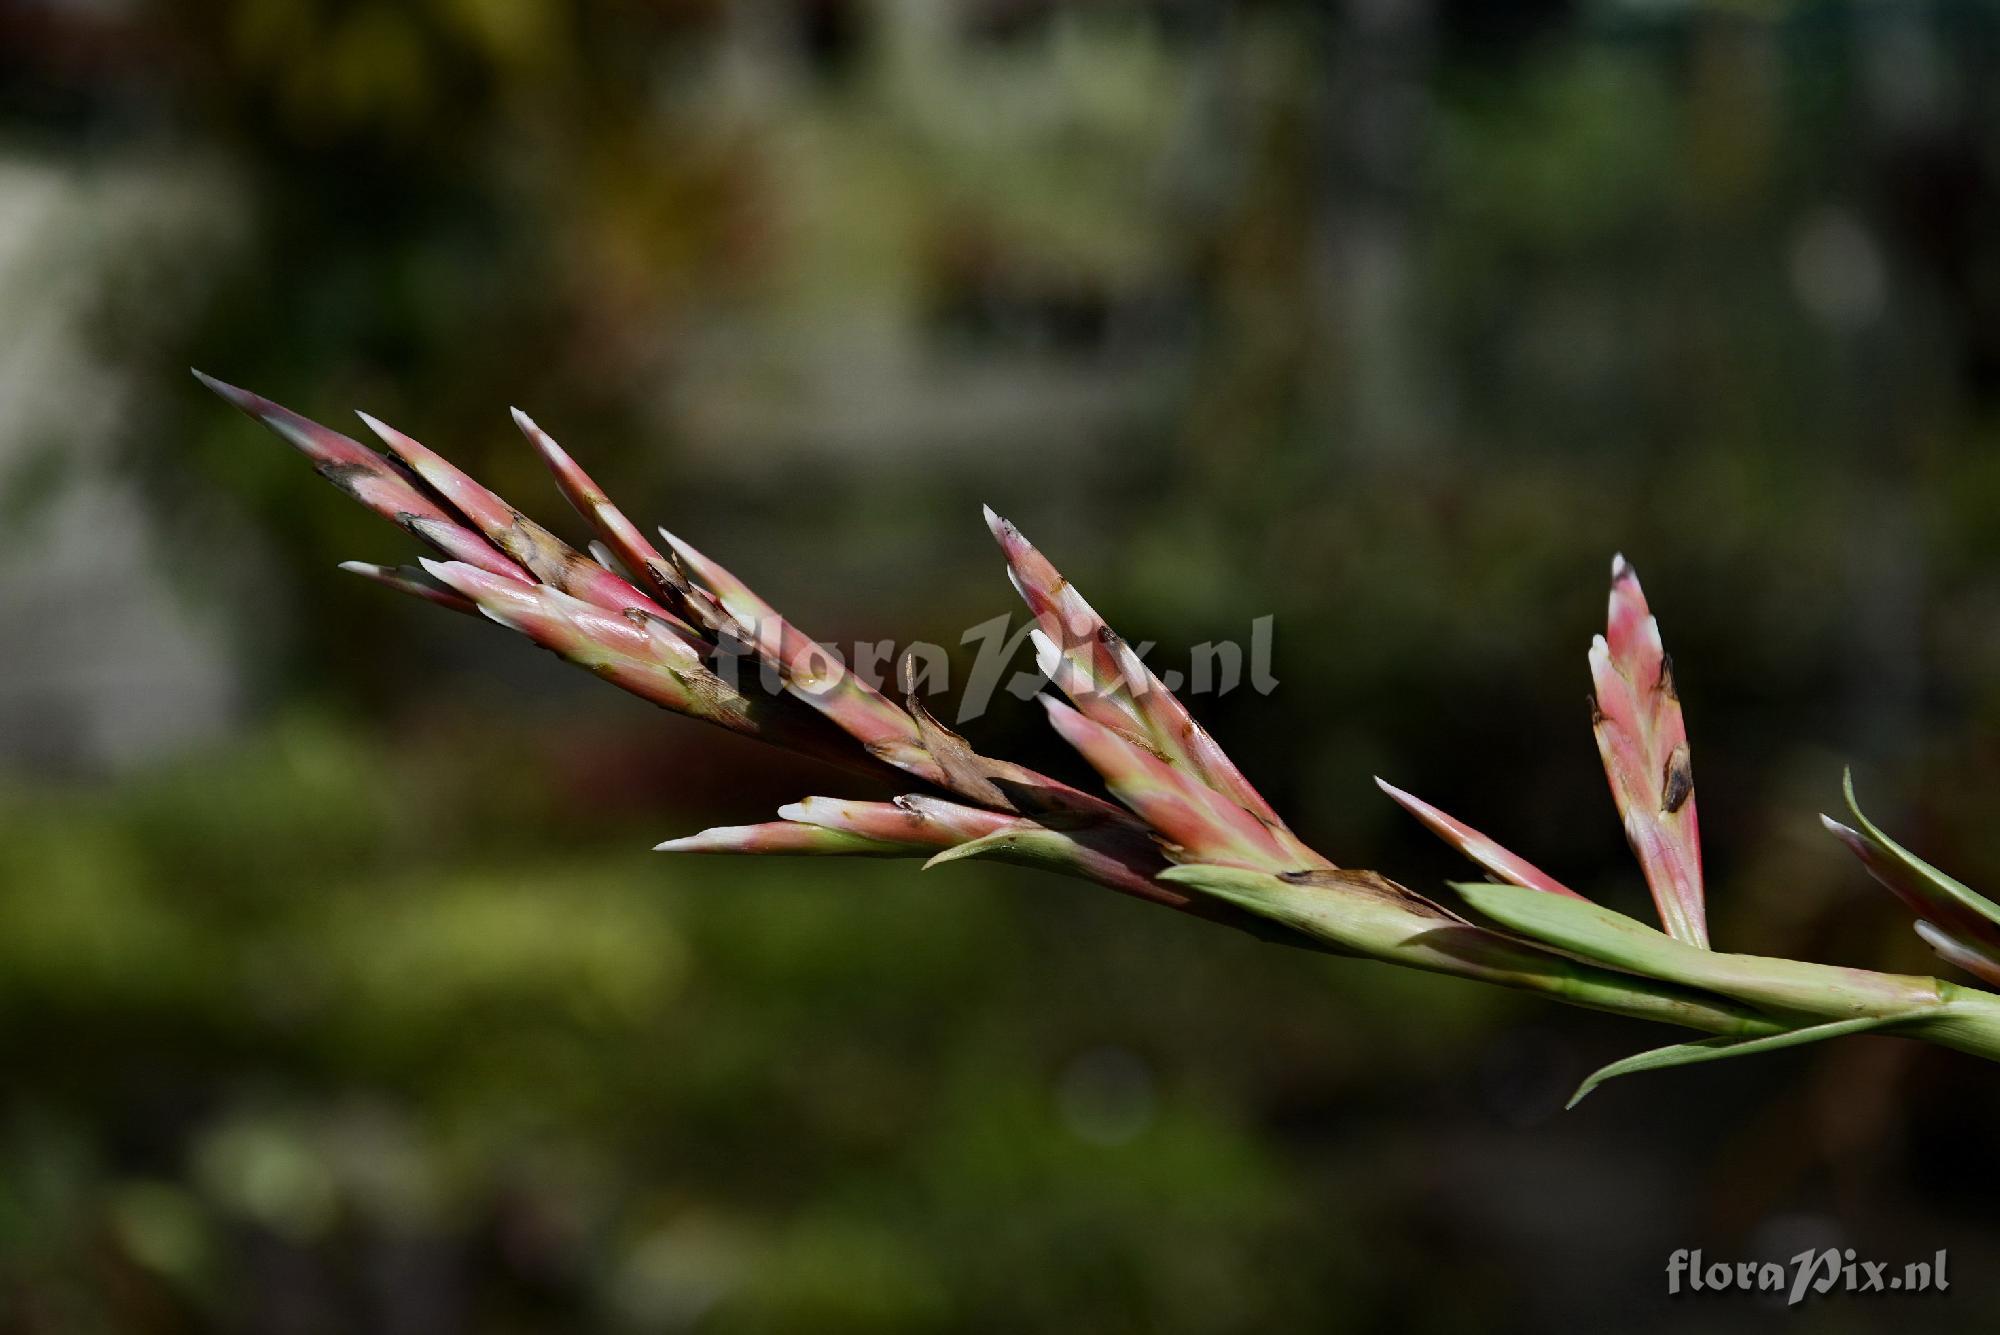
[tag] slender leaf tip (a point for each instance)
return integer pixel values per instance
(1723, 1045)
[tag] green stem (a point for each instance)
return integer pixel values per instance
(1735, 995)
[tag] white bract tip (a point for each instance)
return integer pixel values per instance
(382, 429)
(1959, 953)
(681, 549)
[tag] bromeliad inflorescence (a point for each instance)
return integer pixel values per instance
(1188, 830)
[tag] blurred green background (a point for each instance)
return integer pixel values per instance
(338, 990)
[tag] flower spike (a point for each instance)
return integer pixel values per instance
(1642, 738)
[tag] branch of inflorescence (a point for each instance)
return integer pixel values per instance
(1186, 829)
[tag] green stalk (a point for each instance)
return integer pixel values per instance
(1359, 913)
(1732, 996)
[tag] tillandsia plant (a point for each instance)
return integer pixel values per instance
(1187, 829)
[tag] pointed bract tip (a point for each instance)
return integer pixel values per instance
(716, 839)
(545, 445)
(240, 398)
(1620, 568)
(795, 811)
(971, 848)
(1409, 802)
(1001, 528)
(385, 433)
(363, 568)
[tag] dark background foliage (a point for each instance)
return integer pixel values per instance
(337, 988)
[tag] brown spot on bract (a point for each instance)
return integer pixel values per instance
(1666, 684)
(965, 771)
(1145, 744)
(347, 476)
(1677, 784)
